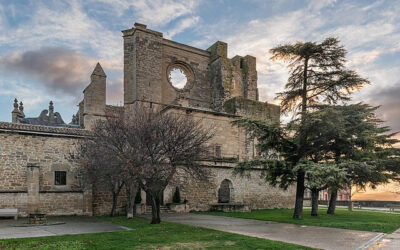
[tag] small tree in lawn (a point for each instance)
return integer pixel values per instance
(159, 142)
(98, 155)
(177, 196)
(317, 75)
(320, 176)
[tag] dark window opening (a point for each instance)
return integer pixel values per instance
(60, 178)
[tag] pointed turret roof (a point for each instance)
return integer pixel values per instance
(98, 70)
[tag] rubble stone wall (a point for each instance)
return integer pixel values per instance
(28, 157)
(252, 191)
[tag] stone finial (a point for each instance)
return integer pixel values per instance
(51, 107)
(75, 120)
(51, 112)
(15, 104)
(21, 107)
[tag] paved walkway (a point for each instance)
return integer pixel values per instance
(388, 242)
(316, 237)
(70, 225)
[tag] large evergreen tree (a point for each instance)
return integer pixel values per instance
(346, 145)
(360, 144)
(317, 75)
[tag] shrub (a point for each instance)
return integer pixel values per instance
(177, 196)
(138, 197)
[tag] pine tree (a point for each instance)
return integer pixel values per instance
(317, 75)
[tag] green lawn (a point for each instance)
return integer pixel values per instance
(146, 236)
(356, 220)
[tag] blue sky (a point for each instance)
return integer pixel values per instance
(49, 48)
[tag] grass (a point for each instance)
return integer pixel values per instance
(146, 236)
(355, 220)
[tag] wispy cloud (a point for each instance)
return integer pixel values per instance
(181, 26)
(161, 12)
(152, 12)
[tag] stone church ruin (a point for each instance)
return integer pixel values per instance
(37, 171)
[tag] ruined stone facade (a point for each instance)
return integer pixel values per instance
(216, 89)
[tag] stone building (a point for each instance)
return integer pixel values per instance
(37, 170)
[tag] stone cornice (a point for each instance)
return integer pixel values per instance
(42, 130)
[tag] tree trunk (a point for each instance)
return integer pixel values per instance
(130, 202)
(115, 192)
(314, 202)
(155, 209)
(332, 202)
(298, 208)
(114, 203)
(158, 204)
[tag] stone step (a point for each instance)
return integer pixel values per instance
(163, 209)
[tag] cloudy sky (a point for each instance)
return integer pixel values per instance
(49, 48)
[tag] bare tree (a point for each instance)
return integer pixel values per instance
(159, 142)
(144, 150)
(100, 157)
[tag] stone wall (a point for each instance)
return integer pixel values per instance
(9, 199)
(250, 108)
(64, 203)
(194, 62)
(230, 139)
(29, 157)
(253, 191)
(142, 64)
(102, 202)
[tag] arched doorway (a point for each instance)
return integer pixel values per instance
(225, 192)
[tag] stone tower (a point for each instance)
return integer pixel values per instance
(94, 97)
(142, 64)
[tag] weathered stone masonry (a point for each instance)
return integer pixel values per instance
(217, 90)
(29, 156)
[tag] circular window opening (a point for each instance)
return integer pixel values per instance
(177, 77)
